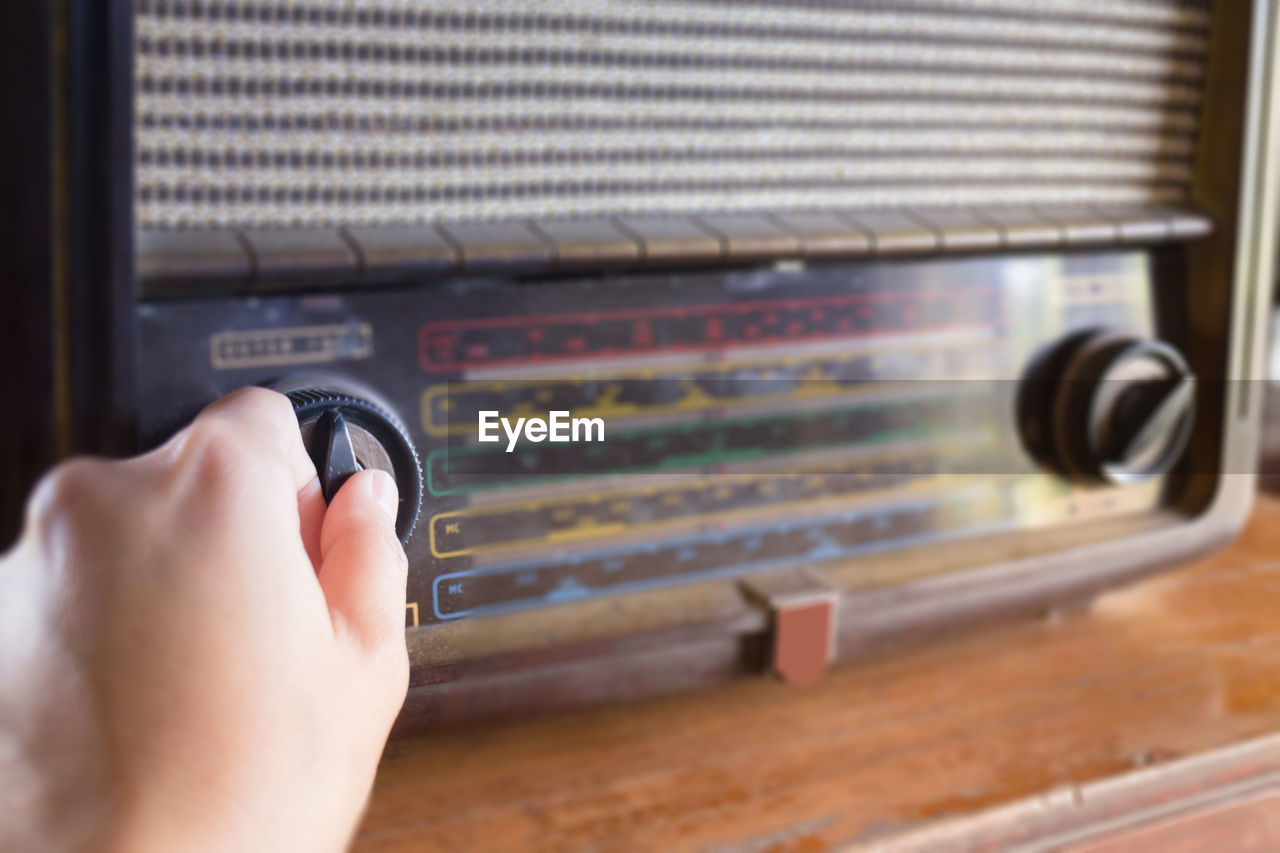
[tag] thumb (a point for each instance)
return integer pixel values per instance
(362, 566)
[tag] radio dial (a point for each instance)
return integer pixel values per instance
(345, 433)
(1108, 407)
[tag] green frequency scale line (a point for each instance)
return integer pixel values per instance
(702, 444)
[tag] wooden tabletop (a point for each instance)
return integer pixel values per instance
(1142, 723)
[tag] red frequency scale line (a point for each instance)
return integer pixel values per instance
(539, 322)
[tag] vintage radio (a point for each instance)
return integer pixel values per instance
(870, 320)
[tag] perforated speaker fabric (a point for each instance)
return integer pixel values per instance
(341, 112)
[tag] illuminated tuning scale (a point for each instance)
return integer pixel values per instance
(709, 442)
(721, 420)
(465, 346)
(490, 528)
(620, 395)
(811, 539)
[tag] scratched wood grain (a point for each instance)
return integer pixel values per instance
(1180, 666)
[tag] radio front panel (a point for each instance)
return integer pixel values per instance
(753, 417)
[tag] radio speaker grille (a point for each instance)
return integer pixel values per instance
(331, 112)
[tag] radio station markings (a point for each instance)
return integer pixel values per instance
(469, 468)
(627, 568)
(452, 408)
(447, 346)
(551, 521)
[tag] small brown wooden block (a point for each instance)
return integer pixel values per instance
(802, 608)
(802, 640)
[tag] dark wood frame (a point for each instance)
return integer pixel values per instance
(68, 238)
(98, 230)
(27, 430)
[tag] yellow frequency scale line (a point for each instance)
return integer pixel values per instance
(451, 522)
(812, 384)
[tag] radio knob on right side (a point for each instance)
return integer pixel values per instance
(1108, 407)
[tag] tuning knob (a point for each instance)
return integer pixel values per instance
(345, 433)
(1108, 407)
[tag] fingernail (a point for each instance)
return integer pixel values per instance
(386, 493)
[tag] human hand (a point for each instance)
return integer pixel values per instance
(195, 653)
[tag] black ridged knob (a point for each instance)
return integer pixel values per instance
(345, 433)
(1108, 407)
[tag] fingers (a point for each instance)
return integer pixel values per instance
(262, 419)
(311, 508)
(362, 566)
